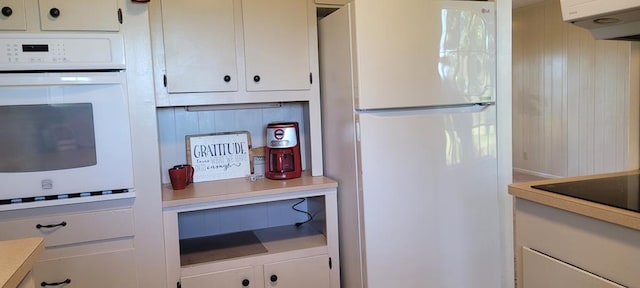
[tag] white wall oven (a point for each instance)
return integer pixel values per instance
(64, 119)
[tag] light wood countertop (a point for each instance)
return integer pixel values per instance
(240, 188)
(18, 257)
(602, 212)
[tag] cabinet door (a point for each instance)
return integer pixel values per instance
(241, 277)
(199, 45)
(541, 271)
(312, 272)
(276, 44)
(12, 16)
(79, 15)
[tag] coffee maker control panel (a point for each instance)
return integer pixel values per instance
(281, 137)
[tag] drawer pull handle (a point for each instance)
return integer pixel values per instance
(66, 281)
(39, 226)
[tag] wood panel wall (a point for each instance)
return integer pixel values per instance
(575, 99)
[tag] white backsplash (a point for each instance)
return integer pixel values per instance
(240, 218)
(174, 123)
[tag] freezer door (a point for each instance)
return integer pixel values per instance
(430, 199)
(423, 53)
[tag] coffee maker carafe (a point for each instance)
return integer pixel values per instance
(282, 151)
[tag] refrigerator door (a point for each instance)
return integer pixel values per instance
(430, 198)
(423, 53)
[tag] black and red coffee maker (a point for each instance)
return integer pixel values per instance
(282, 151)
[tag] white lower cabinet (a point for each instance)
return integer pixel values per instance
(559, 249)
(310, 272)
(259, 234)
(542, 271)
(86, 245)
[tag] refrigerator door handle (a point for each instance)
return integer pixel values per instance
(482, 106)
(463, 108)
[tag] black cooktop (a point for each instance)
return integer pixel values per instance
(619, 191)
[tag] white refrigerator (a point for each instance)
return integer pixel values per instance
(409, 133)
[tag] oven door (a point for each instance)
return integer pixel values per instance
(64, 134)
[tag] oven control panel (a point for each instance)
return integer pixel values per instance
(22, 52)
(41, 51)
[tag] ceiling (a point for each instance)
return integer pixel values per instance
(520, 3)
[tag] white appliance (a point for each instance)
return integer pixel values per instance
(65, 119)
(409, 131)
(605, 19)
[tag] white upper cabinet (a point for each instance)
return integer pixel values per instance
(59, 15)
(199, 45)
(276, 44)
(209, 45)
(79, 15)
(12, 15)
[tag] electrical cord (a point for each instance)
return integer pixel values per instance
(309, 216)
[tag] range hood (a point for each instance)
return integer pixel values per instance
(606, 19)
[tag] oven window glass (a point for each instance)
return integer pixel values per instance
(46, 137)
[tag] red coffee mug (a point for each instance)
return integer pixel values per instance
(190, 171)
(181, 176)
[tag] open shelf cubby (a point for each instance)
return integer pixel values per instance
(249, 243)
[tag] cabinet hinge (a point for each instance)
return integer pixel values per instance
(120, 15)
(178, 284)
(330, 264)
(164, 80)
(311, 78)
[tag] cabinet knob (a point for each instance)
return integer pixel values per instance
(245, 283)
(256, 78)
(273, 278)
(7, 11)
(227, 78)
(54, 12)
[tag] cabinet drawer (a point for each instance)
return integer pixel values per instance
(114, 269)
(542, 271)
(72, 228)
